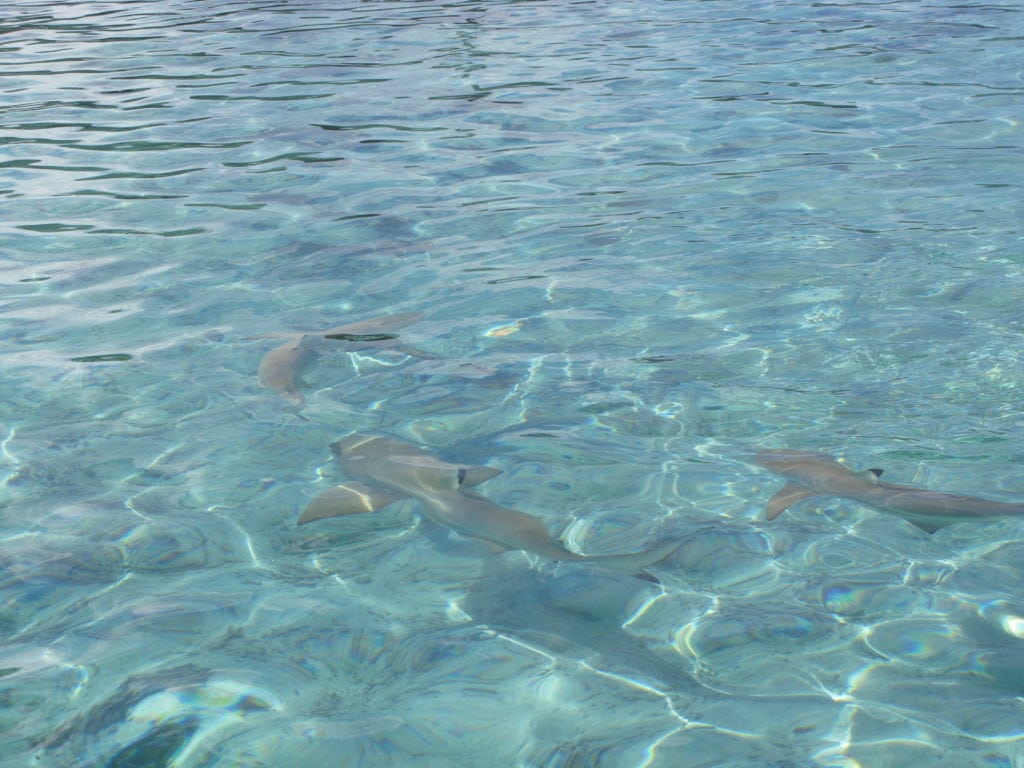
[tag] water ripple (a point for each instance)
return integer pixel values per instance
(648, 239)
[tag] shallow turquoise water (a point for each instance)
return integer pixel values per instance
(648, 238)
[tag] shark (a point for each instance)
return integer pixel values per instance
(387, 470)
(575, 613)
(810, 474)
(281, 368)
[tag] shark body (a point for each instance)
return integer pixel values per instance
(389, 470)
(817, 474)
(281, 368)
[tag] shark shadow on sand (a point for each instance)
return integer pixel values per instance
(577, 612)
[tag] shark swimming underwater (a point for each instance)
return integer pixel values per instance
(817, 474)
(281, 368)
(390, 470)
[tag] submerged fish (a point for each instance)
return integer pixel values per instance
(281, 368)
(393, 470)
(818, 474)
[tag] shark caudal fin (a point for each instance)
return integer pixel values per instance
(347, 499)
(635, 562)
(790, 494)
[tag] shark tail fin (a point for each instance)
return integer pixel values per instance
(790, 494)
(635, 562)
(347, 499)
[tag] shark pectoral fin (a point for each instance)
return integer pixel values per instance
(790, 494)
(471, 476)
(347, 499)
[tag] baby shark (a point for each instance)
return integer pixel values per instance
(812, 474)
(388, 470)
(281, 368)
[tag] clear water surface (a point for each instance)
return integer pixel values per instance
(648, 238)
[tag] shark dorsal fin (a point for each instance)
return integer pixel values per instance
(869, 475)
(790, 494)
(347, 499)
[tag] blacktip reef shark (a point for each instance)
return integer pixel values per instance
(281, 368)
(389, 470)
(818, 474)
